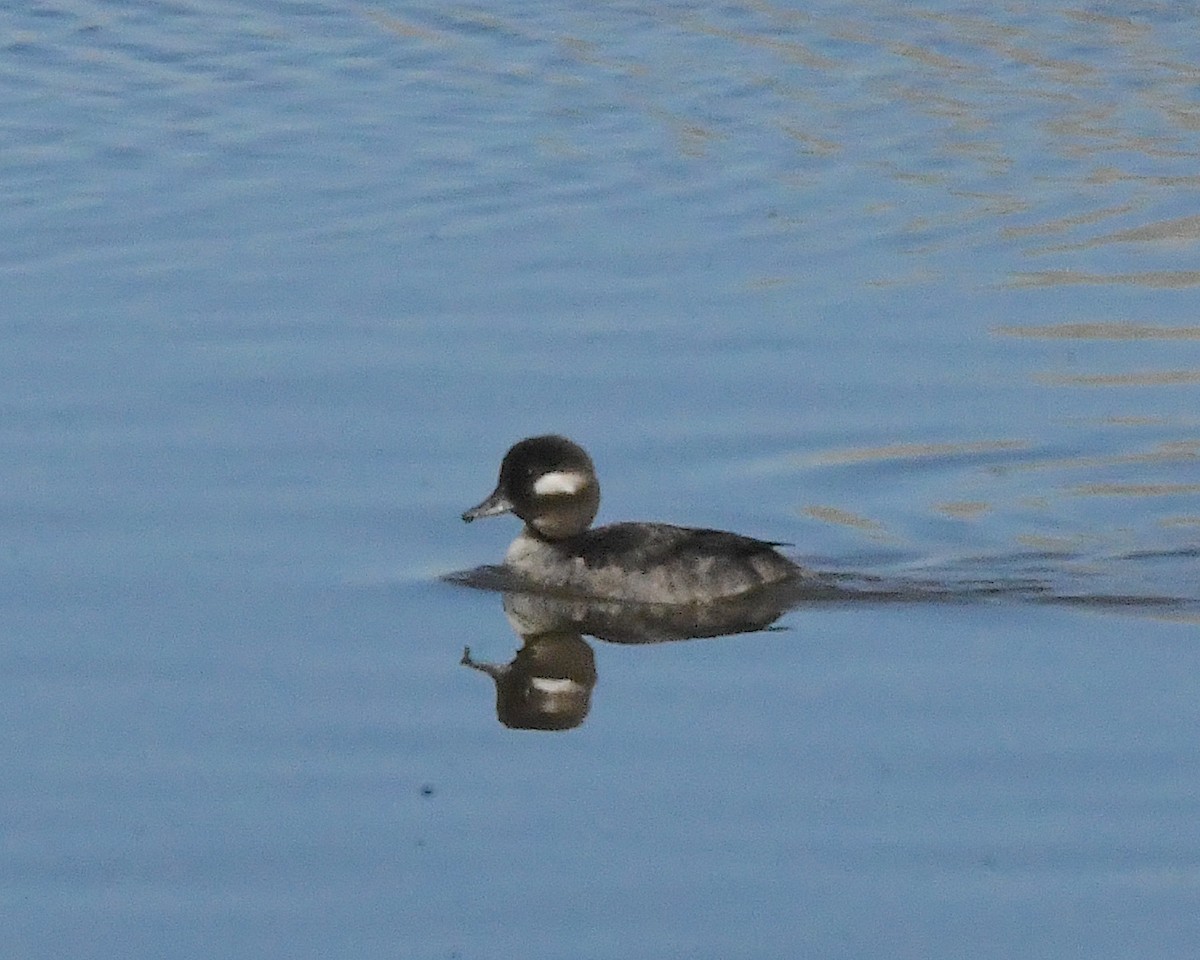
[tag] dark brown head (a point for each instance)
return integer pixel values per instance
(550, 483)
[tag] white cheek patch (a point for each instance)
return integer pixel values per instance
(559, 481)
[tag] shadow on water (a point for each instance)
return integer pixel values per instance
(548, 684)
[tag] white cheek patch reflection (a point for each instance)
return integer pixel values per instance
(559, 481)
(554, 686)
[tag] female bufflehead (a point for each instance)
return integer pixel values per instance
(550, 483)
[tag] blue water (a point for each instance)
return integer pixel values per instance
(912, 288)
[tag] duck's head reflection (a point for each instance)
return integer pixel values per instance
(548, 684)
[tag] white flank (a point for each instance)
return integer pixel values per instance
(559, 481)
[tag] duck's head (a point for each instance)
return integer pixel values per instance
(550, 483)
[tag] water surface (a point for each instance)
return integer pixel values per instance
(912, 288)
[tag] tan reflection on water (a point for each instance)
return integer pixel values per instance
(1047, 544)
(1124, 420)
(1141, 378)
(405, 29)
(1185, 230)
(963, 509)
(1064, 224)
(1134, 489)
(1100, 331)
(918, 451)
(786, 49)
(1173, 451)
(844, 518)
(1180, 521)
(1159, 279)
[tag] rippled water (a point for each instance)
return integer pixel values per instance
(912, 287)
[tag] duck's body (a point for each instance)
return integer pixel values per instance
(550, 483)
(649, 563)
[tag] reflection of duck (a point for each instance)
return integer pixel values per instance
(550, 483)
(548, 685)
(618, 622)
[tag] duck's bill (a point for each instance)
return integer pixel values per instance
(493, 506)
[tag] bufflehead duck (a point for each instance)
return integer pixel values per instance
(550, 483)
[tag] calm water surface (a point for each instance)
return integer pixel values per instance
(914, 288)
